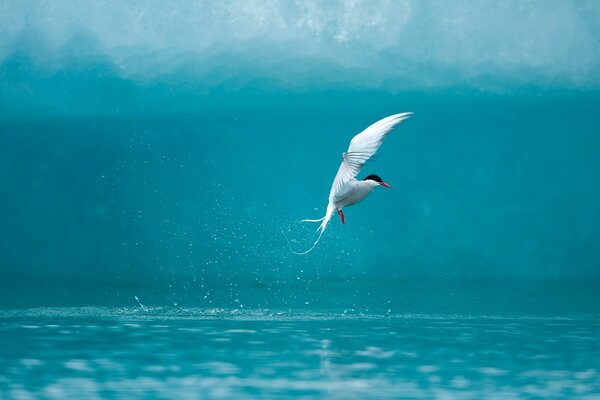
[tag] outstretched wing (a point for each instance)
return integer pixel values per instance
(362, 147)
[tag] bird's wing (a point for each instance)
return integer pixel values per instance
(362, 147)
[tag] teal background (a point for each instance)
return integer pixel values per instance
(168, 151)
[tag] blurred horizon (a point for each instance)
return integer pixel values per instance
(59, 58)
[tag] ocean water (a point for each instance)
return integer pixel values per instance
(95, 352)
(155, 162)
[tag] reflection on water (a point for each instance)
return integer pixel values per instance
(197, 353)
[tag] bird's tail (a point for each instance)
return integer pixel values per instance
(324, 221)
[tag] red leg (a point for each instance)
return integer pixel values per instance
(342, 216)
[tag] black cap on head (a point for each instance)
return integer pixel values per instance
(373, 178)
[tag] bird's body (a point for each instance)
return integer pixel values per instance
(346, 190)
(353, 191)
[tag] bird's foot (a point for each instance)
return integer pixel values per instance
(342, 216)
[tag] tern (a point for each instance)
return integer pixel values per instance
(346, 190)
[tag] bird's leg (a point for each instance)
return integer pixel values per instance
(342, 216)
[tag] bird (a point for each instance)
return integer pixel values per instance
(346, 190)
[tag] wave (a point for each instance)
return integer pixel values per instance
(385, 45)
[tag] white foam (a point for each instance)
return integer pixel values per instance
(77, 365)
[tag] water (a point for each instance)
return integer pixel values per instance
(153, 156)
(389, 340)
(189, 353)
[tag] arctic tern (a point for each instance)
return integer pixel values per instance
(346, 190)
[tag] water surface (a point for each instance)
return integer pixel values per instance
(93, 352)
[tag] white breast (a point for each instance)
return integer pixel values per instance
(353, 192)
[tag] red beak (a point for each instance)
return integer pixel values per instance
(385, 185)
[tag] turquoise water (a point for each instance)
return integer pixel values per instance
(390, 339)
(154, 159)
(96, 352)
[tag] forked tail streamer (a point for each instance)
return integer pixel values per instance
(324, 221)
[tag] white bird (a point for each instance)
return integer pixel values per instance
(346, 190)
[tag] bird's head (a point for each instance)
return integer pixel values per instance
(375, 180)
